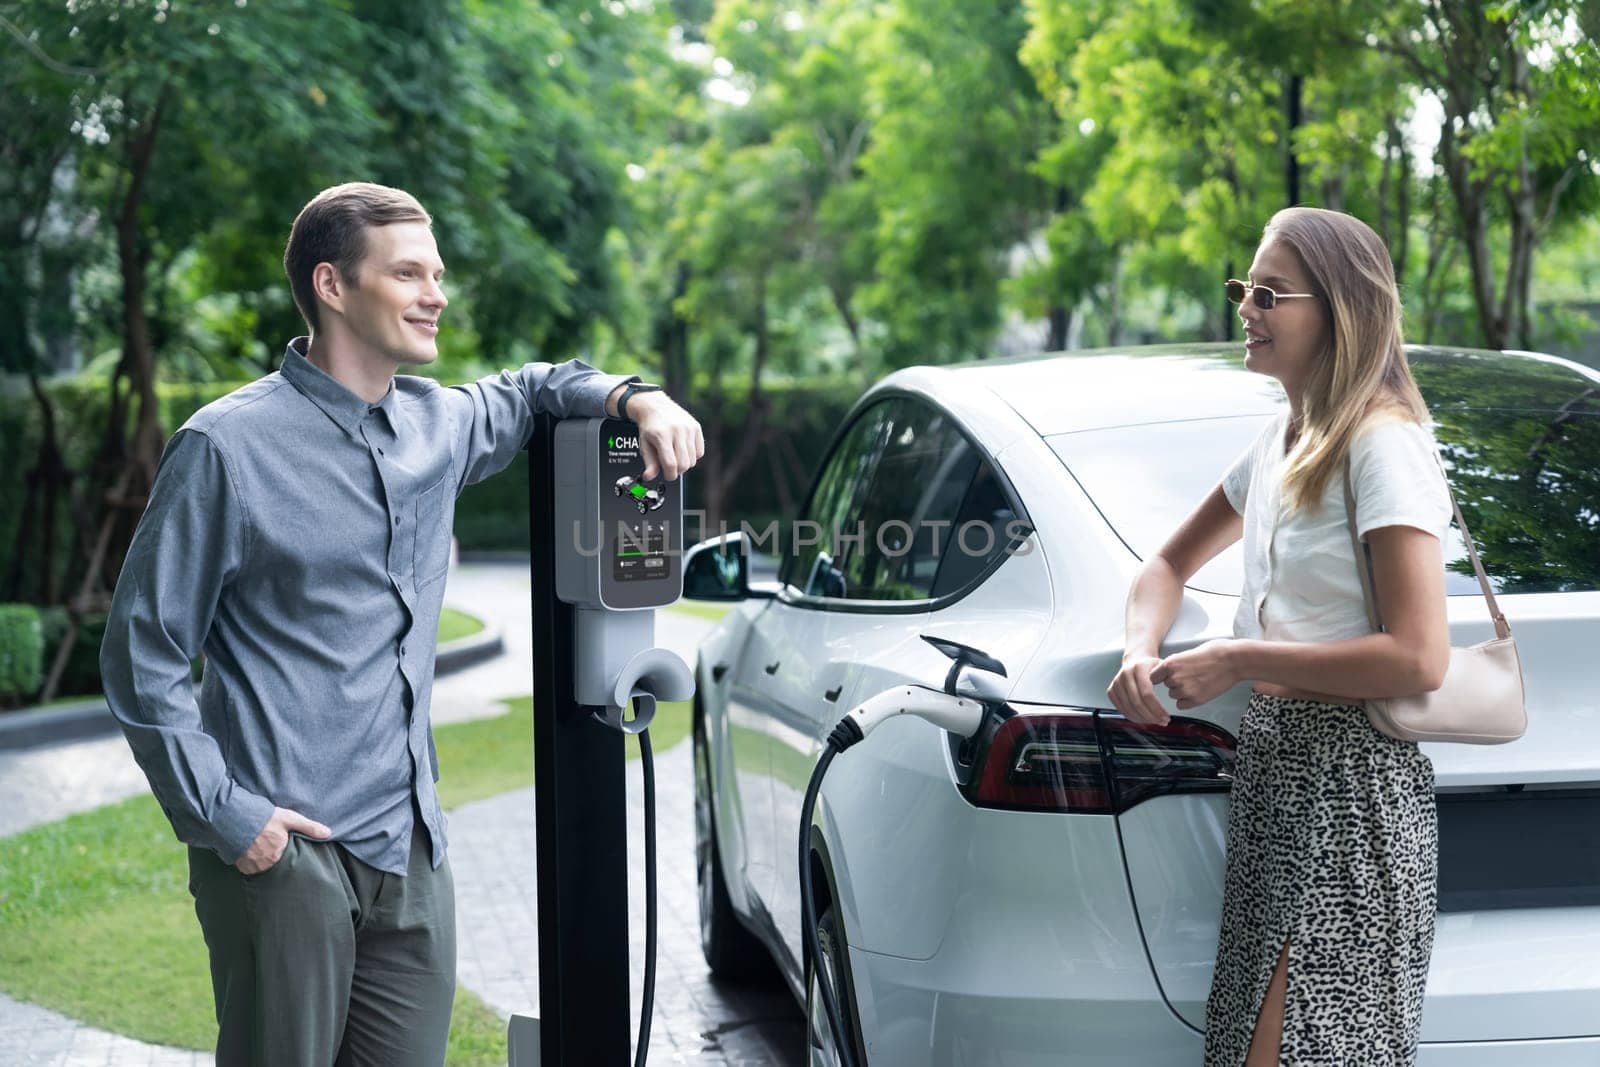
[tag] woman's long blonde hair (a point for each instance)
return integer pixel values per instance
(1363, 371)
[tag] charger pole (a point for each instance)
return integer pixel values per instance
(580, 820)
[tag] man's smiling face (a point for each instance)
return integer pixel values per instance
(394, 303)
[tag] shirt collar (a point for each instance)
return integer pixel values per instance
(322, 389)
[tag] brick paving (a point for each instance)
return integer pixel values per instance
(695, 1021)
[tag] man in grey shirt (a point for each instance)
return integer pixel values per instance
(298, 535)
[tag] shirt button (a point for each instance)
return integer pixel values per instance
(380, 451)
(397, 520)
(402, 651)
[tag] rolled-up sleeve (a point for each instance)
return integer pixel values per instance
(492, 418)
(190, 543)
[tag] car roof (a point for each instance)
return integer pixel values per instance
(1067, 392)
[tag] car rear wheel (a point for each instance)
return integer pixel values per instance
(731, 951)
(821, 1051)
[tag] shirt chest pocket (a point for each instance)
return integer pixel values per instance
(431, 554)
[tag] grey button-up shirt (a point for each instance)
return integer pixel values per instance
(299, 537)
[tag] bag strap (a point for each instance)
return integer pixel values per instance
(1363, 554)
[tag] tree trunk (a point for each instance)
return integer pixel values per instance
(45, 481)
(1468, 194)
(1443, 249)
(1291, 160)
(1229, 319)
(727, 465)
(133, 259)
(1114, 306)
(673, 339)
(1400, 244)
(1060, 317)
(841, 302)
(1060, 327)
(1522, 198)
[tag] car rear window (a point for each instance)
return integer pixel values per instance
(1527, 478)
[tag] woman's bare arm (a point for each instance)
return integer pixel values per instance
(1410, 658)
(1156, 595)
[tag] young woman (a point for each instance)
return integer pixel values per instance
(1328, 905)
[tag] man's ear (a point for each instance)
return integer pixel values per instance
(329, 285)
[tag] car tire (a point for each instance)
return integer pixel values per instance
(731, 951)
(820, 1051)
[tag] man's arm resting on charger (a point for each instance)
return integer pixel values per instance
(493, 417)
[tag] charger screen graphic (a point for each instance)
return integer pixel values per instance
(636, 532)
(620, 538)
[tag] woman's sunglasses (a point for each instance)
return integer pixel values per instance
(1265, 299)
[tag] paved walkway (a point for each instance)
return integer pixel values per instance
(492, 851)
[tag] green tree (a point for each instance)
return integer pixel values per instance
(1176, 143)
(1519, 86)
(957, 124)
(35, 247)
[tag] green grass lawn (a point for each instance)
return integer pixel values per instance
(705, 609)
(96, 920)
(454, 624)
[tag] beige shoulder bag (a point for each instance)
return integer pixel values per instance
(1481, 701)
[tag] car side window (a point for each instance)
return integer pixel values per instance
(811, 566)
(985, 527)
(923, 516)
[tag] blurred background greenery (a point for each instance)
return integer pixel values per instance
(763, 204)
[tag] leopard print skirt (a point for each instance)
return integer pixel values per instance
(1333, 846)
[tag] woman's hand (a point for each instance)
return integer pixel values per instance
(1133, 694)
(1199, 675)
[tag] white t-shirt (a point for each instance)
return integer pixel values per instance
(1300, 578)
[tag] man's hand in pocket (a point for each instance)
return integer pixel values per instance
(267, 849)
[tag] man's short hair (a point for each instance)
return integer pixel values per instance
(332, 229)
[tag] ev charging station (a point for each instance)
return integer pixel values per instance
(607, 550)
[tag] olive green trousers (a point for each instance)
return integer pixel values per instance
(322, 960)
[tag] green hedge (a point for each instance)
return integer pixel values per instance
(81, 407)
(492, 515)
(21, 653)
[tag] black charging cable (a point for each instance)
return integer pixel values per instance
(644, 710)
(648, 998)
(847, 733)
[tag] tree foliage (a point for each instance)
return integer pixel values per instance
(728, 192)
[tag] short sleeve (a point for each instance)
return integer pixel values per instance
(1236, 482)
(1394, 469)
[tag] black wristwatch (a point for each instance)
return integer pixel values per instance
(633, 387)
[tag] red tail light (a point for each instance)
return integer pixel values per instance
(1093, 762)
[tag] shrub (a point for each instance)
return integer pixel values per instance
(21, 653)
(82, 674)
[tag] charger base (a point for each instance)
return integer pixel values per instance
(522, 1035)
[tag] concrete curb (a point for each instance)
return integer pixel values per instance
(31, 727)
(90, 717)
(468, 651)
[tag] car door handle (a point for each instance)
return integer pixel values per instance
(717, 671)
(833, 694)
(772, 668)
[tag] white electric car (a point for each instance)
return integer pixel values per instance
(1049, 893)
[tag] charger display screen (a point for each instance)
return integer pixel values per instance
(636, 531)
